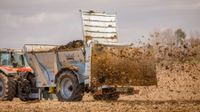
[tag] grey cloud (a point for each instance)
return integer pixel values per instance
(58, 21)
(17, 21)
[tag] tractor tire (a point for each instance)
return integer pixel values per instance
(106, 97)
(7, 88)
(68, 88)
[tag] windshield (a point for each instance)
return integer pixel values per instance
(20, 60)
(5, 58)
(12, 59)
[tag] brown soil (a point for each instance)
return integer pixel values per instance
(89, 105)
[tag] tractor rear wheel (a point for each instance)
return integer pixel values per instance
(7, 88)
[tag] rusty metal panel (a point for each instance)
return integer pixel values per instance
(121, 66)
(99, 26)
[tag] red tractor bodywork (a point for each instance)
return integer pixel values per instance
(8, 70)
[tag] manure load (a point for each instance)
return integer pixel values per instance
(122, 66)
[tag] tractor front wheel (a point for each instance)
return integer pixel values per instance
(7, 88)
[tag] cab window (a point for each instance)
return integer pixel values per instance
(5, 59)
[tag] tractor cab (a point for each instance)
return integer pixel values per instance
(12, 61)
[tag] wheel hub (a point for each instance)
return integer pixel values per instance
(66, 88)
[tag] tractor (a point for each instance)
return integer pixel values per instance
(16, 77)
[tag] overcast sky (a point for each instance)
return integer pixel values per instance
(58, 21)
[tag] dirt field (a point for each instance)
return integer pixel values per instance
(89, 105)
